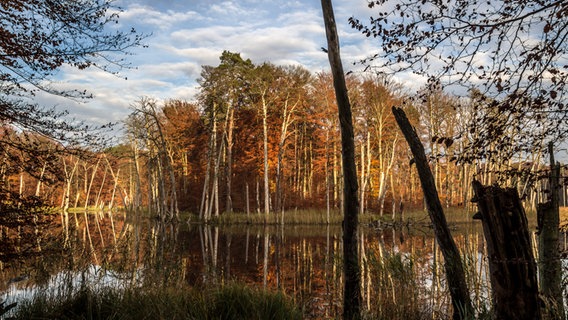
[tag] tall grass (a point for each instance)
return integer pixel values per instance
(232, 301)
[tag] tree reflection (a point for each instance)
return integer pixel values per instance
(399, 272)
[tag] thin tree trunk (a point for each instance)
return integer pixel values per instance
(203, 208)
(327, 200)
(111, 203)
(455, 274)
(335, 176)
(363, 179)
(265, 144)
(257, 196)
(247, 198)
(286, 122)
(98, 198)
(352, 286)
(137, 198)
(215, 193)
(40, 180)
(229, 164)
(68, 181)
(383, 185)
(115, 178)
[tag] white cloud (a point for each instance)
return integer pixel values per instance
(190, 34)
(228, 8)
(153, 18)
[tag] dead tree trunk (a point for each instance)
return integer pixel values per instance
(455, 274)
(352, 287)
(511, 263)
(550, 267)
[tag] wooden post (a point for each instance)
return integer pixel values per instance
(549, 265)
(512, 266)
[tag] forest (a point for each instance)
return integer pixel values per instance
(265, 138)
(266, 141)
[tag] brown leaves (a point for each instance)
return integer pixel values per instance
(446, 141)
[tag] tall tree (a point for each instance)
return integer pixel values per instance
(295, 83)
(378, 95)
(145, 123)
(224, 90)
(187, 137)
(266, 77)
(352, 289)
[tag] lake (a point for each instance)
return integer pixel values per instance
(401, 269)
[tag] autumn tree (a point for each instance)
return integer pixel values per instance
(265, 94)
(38, 38)
(324, 115)
(295, 84)
(186, 135)
(378, 94)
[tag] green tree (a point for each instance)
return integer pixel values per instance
(223, 90)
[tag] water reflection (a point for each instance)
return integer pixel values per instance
(401, 270)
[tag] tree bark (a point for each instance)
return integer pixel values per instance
(511, 263)
(352, 287)
(229, 164)
(265, 149)
(286, 122)
(455, 274)
(204, 207)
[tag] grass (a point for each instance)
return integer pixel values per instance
(291, 217)
(232, 301)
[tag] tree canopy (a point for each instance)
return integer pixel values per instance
(512, 52)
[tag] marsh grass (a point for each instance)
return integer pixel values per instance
(397, 286)
(320, 217)
(231, 301)
(290, 217)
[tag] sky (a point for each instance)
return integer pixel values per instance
(187, 34)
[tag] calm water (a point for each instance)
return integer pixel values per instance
(399, 267)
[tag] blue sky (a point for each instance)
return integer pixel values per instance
(189, 34)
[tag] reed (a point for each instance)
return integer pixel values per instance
(290, 217)
(231, 301)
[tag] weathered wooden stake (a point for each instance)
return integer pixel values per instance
(512, 265)
(549, 265)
